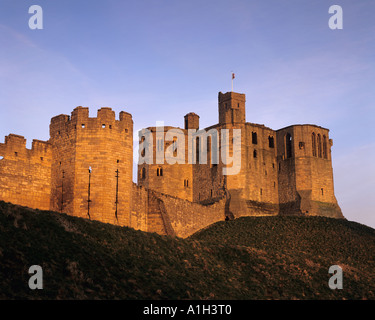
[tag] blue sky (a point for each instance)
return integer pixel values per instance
(160, 59)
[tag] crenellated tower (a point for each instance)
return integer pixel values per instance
(92, 165)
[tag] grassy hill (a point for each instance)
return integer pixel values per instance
(248, 258)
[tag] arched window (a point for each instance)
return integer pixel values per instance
(288, 145)
(313, 138)
(255, 154)
(319, 142)
(325, 147)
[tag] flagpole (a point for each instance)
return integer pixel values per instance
(232, 79)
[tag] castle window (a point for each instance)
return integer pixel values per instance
(41, 158)
(254, 138)
(209, 161)
(187, 182)
(301, 145)
(238, 105)
(319, 142)
(157, 172)
(322, 191)
(279, 166)
(261, 191)
(161, 172)
(255, 154)
(274, 184)
(288, 145)
(197, 151)
(324, 147)
(83, 125)
(211, 193)
(103, 126)
(271, 142)
(313, 138)
(110, 127)
(174, 146)
(58, 132)
(143, 173)
(273, 165)
(143, 151)
(265, 172)
(16, 154)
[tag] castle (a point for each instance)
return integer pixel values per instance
(85, 169)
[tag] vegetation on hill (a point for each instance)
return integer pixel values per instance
(248, 258)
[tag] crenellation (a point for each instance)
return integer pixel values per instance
(85, 169)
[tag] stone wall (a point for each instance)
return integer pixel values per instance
(167, 215)
(188, 217)
(92, 160)
(25, 174)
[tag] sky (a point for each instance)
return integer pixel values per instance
(161, 59)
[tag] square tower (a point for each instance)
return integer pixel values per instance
(232, 108)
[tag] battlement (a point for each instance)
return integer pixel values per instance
(86, 168)
(15, 146)
(230, 96)
(79, 120)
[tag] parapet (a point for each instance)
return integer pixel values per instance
(15, 146)
(79, 119)
(15, 140)
(231, 95)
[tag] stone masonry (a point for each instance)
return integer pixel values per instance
(85, 170)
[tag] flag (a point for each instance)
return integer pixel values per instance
(232, 75)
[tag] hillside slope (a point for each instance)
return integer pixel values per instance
(248, 258)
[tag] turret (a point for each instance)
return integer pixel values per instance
(191, 121)
(232, 108)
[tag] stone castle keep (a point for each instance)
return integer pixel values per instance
(85, 169)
